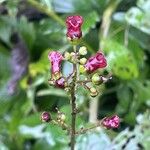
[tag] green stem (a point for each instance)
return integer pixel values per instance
(47, 11)
(106, 20)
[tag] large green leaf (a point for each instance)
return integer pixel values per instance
(139, 16)
(27, 31)
(120, 60)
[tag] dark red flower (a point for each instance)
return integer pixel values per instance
(46, 117)
(60, 83)
(111, 122)
(74, 27)
(95, 62)
(55, 59)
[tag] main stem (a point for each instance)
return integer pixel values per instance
(73, 104)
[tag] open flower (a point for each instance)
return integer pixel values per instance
(95, 62)
(111, 122)
(55, 59)
(74, 27)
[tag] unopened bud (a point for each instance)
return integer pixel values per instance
(61, 83)
(83, 61)
(46, 117)
(96, 79)
(82, 69)
(67, 55)
(72, 54)
(83, 50)
(93, 92)
(61, 117)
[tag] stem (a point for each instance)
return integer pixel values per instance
(84, 130)
(73, 104)
(47, 11)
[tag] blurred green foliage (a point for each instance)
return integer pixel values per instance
(127, 47)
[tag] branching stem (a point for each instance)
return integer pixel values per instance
(73, 103)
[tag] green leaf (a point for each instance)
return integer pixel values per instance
(139, 18)
(27, 31)
(52, 91)
(120, 60)
(5, 29)
(125, 96)
(90, 21)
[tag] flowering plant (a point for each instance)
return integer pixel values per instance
(88, 68)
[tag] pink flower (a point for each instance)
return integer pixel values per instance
(111, 122)
(60, 83)
(74, 27)
(55, 59)
(95, 62)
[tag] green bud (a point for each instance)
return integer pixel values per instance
(63, 117)
(72, 53)
(83, 50)
(93, 92)
(83, 61)
(67, 56)
(96, 79)
(82, 69)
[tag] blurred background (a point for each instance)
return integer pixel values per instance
(29, 29)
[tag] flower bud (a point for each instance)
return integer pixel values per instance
(46, 117)
(55, 59)
(82, 69)
(61, 83)
(83, 61)
(82, 50)
(61, 117)
(74, 27)
(67, 56)
(93, 92)
(96, 79)
(111, 122)
(95, 62)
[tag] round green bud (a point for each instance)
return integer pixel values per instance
(67, 55)
(93, 92)
(83, 61)
(83, 50)
(96, 79)
(72, 54)
(63, 117)
(82, 69)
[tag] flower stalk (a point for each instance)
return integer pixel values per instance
(90, 79)
(73, 103)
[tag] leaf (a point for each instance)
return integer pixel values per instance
(120, 60)
(93, 141)
(5, 29)
(138, 19)
(27, 31)
(125, 96)
(31, 120)
(52, 91)
(90, 21)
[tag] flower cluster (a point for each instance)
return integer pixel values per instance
(85, 73)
